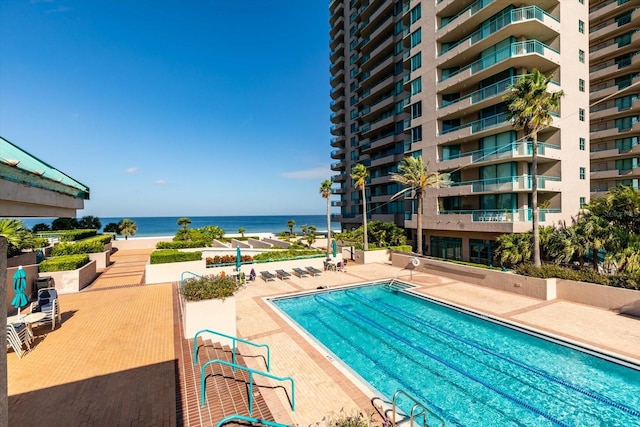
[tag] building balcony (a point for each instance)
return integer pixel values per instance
(610, 28)
(611, 48)
(602, 90)
(337, 129)
(612, 70)
(607, 131)
(607, 10)
(612, 110)
(339, 153)
(476, 127)
(341, 190)
(338, 141)
(339, 166)
(526, 54)
(338, 203)
(476, 100)
(384, 160)
(609, 173)
(337, 39)
(341, 177)
(614, 153)
(499, 221)
(337, 20)
(515, 150)
(469, 17)
(502, 185)
(531, 22)
(337, 104)
(337, 78)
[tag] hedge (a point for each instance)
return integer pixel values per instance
(627, 281)
(183, 244)
(87, 246)
(63, 263)
(165, 256)
(288, 254)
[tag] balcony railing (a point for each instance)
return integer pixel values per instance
(474, 8)
(502, 215)
(506, 151)
(486, 92)
(516, 15)
(480, 125)
(515, 49)
(510, 183)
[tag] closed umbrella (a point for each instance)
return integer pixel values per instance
(238, 259)
(335, 248)
(19, 286)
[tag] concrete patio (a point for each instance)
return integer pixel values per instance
(115, 358)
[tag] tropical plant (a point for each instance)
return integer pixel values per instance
(18, 236)
(512, 249)
(310, 235)
(127, 227)
(90, 222)
(413, 174)
(40, 227)
(211, 232)
(529, 108)
(209, 287)
(112, 227)
(184, 222)
(325, 192)
(359, 175)
(381, 235)
(290, 224)
(242, 230)
(64, 224)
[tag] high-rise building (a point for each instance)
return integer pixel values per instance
(427, 78)
(614, 65)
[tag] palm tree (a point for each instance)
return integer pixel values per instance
(325, 191)
(241, 230)
(413, 174)
(359, 175)
(290, 224)
(530, 107)
(184, 222)
(18, 236)
(513, 249)
(127, 227)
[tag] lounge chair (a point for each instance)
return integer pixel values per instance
(282, 275)
(300, 272)
(266, 276)
(47, 303)
(17, 336)
(314, 271)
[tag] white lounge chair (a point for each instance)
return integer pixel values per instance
(17, 335)
(47, 303)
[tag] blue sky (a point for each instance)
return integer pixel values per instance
(173, 107)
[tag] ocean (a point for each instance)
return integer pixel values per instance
(167, 225)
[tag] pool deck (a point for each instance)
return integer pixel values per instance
(113, 360)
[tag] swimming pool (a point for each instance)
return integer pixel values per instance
(468, 370)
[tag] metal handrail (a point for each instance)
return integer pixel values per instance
(196, 349)
(187, 272)
(417, 405)
(251, 372)
(251, 420)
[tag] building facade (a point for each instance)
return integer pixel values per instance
(614, 74)
(424, 78)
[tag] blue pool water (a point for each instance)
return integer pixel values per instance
(468, 370)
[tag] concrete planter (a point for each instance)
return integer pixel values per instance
(368, 257)
(71, 281)
(102, 259)
(214, 314)
(624, 301)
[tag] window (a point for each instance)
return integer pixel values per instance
(353, 141)
(583, 201)
(582, 173)
(416, 86)
(398, 48)
(416, 61)
(581, 114)
(398, 28)
(415, 13)
(353, 100)
(416, 37)
(581, 26)
(581, 143)
(354, 113)
(354, 155)
(581, 85)
(581, 1)
(581, 55)
(354, 128)
(416, 110)
(416, 134)
(353, 72)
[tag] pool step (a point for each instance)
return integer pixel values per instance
(396, 286)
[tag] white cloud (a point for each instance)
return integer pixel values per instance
(315, 173)
(132, 171)
(160, 182)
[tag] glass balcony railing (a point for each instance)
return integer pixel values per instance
(515, 15)
(510, 183)
(502, 215)
(480, 125)
(526, 47)
(486, 92)
(474, 8)
(503, 152)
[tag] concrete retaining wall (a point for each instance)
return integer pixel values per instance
(625, 301)
(239, 244)
(71, 281)
(367, 257)
(26, 258)
(102, 259)
(544, 289)
(258, 243)
(276, 242)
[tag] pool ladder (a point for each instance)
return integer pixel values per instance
(417, 410)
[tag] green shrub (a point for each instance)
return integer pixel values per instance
(209, 287)
(182, 244)
(627, 281)
(165, 256)
(63, 263)
(86, 246)
(288, 254)
(74, 235)
(546, 271)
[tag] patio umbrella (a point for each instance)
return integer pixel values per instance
(335, 248)
(19, 286)
(238, 258)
